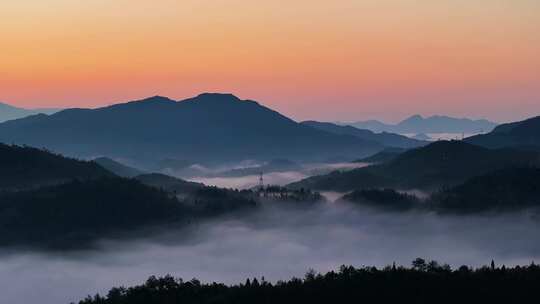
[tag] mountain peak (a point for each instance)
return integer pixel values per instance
(416, 117)
(216, 97)
(156, 98)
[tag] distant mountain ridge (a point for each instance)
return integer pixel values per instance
(432, 124)
(209, 127)
(9, 112)
(383, 138)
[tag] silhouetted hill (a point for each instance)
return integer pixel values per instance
(206, 128)
(384, 156)
(117, 168)
(443, 163)
(25, 167)
(503, 190)
(169, 183)
(384, 138)
(78, 213)
(9, 112)
(523, 134)
(432, 124)
(75, 213)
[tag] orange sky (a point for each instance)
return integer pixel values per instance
(331, 60)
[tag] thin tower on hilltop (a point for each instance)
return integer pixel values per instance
(261, 181)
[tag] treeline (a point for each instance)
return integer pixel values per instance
(423, 282)
(504, 190)
(278, 193)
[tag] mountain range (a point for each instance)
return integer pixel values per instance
(9, 112)
(433, 124)
(207, 128)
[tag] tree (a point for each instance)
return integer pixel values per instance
(419, 264)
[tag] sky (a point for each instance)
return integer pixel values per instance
(327, 60)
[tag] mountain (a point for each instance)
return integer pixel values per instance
(25, 167)
(75, 213)
(169, 183)
(206, 128)
(384, 138)
(433, 124)
(9, 112)
(384, 156)
(422, 136)
(503, 190)
(522, 134)
(117, 168)
(442, 163)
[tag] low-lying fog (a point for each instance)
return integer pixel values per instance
(276, 243)
(275, 178)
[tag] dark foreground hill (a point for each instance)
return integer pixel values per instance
(25, 167)
(206, 128)
(383, 138)
(117, 167)
(169, 183)
(77, 213)
(425, 282)
(384, 156)
(443, 163)
(504, 190)
(523, 134)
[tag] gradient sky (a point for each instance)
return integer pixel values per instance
(328, 60)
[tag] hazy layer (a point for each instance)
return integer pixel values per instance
(275, 178)
(276, 243)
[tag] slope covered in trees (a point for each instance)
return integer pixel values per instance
(117, 168)
(25, 167)
(77, 213)
(522, 134)
(443, 163)
(384, 156)
(169, 183)
(504, 190)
